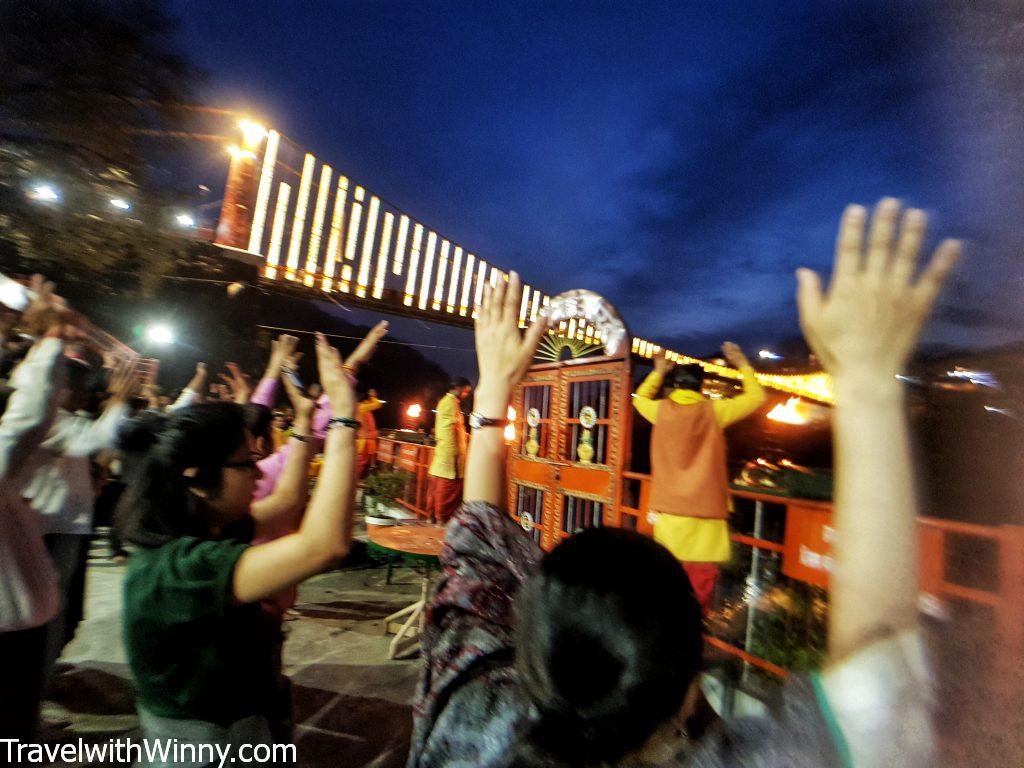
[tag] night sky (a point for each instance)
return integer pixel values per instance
(681, 159)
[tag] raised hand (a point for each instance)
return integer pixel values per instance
(364, 351)
(334, 376)
(302, 406)
(46, 312)
(503, 353)
(238, 384)
(662, 365)
(734, 355)
(869, 321)
(281, 349)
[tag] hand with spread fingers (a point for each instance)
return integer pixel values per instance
(503, 352)
(869, 320)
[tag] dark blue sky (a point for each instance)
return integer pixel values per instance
(681, 158)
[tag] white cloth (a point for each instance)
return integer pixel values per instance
(29, 594)
(61, 489)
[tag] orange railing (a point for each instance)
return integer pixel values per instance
(1006, 599)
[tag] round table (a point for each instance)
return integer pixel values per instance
(420, 539)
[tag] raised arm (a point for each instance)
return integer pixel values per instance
(645, 399)
(281, 511)
(733, 409)
(36, 382)
(281, 350)
(863, 331)
(326, 531)
(503, 356)
(193, 391)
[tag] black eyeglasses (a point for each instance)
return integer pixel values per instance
(248, 464)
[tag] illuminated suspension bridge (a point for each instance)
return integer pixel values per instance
(311, 225)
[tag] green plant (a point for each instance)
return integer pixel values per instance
(385, 485)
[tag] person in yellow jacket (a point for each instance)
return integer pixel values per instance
(444, 485)
(366, 438)
(689, 498)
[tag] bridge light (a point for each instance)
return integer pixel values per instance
(363, 277)
(277, 230)
(398, 263)
(481, 279)
(428, 268)
(334, 240)
(467, 282)
(453, 286)
(316, 235)
(382, 255)
(259, 217)
(353, 234)
(442, 271)
(414, 262)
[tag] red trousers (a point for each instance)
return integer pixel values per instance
(443, 497)
(703, 577)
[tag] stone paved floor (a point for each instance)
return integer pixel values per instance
(351, 702)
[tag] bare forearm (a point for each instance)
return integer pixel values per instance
(327, 524)
(485, 465)
(875, 576)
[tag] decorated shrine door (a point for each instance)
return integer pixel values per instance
(573, 422)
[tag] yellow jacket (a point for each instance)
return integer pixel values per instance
(450, 437)
(691, 539)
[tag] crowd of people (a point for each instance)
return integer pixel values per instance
(588, 655)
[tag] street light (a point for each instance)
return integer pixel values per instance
(185, 220)
(44, 193)
(120, 203)
(160, 334)
(252, 133)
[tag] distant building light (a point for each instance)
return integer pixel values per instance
(767, 354)
(120, 203)
(979, 378)
(1000, 411)
(185, 220)
(45, 193)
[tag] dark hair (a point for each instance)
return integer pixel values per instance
(608, 641)
(157, 506)
(258, 419)
(458, 383)
(685, 377)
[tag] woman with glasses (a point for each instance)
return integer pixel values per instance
(201, 650)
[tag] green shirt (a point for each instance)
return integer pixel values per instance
(194, 652)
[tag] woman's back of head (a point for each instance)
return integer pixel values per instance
(608, 641)
(157, 507)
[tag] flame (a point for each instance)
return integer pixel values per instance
(414, 411)
(510, 428)
(788, 413)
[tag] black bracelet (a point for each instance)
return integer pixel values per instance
(301, 438)
(343, 421)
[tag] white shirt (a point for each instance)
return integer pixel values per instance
(61, 489)
(29, 595)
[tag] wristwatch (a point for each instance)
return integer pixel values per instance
(477, 420)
